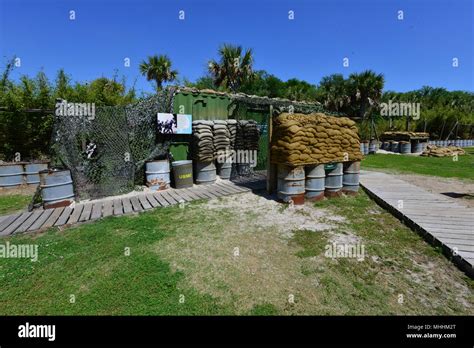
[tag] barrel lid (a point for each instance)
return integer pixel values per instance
(181, 163)
(12, 163)
(53, 170)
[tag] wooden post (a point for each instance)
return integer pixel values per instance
(271, 172)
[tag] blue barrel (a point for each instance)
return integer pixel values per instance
(205, 173)
(405, 147)
(366, 148)
(291, 184)
(56, 188)
(350, 178)
(32, 172)
(224, 169)
(158, 174)
(457, 142)
(11, 174)
(394, 146)
(361, 148)
(417, 146)
(373, 146)
(333, 180)
(386, 146)
(315, 181)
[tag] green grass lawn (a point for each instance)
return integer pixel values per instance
(180, 262)
(12, 203)
(436, 166)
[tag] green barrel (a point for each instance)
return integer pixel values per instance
(182, 173)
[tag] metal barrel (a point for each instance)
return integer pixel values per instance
(373, 146)
(315, 180)
(157, 174)
(11, 174)
(224, 169)
(333, 180)
(243, 169)
(32, 172)
(394, 146)
(361, 147)
(405, 147)
(291, 184)
(182, 173)
(366, 147)
(417, 146)
(205, 173)
(386, 146)
(457, 142)
(56, 188)
(350, 179)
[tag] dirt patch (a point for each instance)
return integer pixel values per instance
(24, 190)
(461, 191)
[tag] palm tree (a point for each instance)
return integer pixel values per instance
(233, 68)
(158, 69)
(334, 92)
(365, 91)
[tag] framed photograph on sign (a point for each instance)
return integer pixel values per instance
(174, 123)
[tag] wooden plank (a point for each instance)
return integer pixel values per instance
(168, 198)
(227, 190)
(108, 208)
(117, 207)
(2, 218)
(86, 212)
(154, 203)
(64, 216)
(194, 196)
(41, 220)
(53, 217)
(15, 224)
(218, 190)
(29, 221)
(136, 204)
(76, 214)
(207, 194)
(97, 210)
(160, 199)
(7, 221)
(127, 206)
(180, 196)
(449, 241)
(144, 202)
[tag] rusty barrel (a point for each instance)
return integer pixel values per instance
(291, 183)
(157, 174)
(56, 188)
(333, 180)
(315, 181)
(350, 178)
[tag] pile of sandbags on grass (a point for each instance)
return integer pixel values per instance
(232, 127)
(403, 135)
(435, 151)
(203, 141)
(300, 139)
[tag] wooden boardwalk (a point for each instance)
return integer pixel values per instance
(119, 205)
(440, 220)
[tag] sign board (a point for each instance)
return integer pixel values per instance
(174, 123)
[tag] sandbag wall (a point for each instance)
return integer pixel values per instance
(215, 143)
(316, 156)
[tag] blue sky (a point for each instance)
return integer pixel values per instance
(412, 52)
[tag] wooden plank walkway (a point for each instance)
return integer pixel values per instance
(440, 220)
(119, 205)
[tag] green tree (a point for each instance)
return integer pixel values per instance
(234, 67)
(158, 69)
(365, 91)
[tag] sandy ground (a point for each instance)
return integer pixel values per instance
(461, 191)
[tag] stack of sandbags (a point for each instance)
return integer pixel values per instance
(232, 127)
(203, 141)
(435, 151)
(221, 136)
(300, 139)
(247, 135)
(403, 136)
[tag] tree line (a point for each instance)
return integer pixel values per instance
(26, 129)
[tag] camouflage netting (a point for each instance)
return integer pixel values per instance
(314, 139)
(106, 154)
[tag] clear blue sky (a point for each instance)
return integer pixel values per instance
(410, 53)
